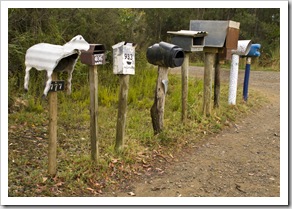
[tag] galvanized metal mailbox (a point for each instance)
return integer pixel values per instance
(165, 54)
(190, 41)
(124, 58)
(221, 34)
(94, 56)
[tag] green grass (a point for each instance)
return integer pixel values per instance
(77, 174)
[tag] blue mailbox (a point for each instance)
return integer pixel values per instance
(254, 50)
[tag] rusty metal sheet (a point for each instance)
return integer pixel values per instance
(232, 38)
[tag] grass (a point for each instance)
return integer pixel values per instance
(77, 175)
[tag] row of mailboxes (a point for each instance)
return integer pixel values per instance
(203, 35)
(163, 54)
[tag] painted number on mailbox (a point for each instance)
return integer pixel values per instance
(98, 59)
(57, 86)
(129, 60)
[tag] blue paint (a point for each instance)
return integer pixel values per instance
(246, 79)
(254, 50)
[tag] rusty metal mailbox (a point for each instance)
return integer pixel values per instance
(221, 34)
(190, 41)
(94, 56)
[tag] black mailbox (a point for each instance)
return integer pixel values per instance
(165, 54)
(95, 55)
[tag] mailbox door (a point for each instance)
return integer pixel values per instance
(128, 60)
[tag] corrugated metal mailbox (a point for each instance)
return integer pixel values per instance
(190, 41)
(221, 34)
(94, 56)
(124, 58)
(165, 54)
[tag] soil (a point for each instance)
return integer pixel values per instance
(241, 161)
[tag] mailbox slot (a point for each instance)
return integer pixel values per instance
(198, 41)
(94, 56)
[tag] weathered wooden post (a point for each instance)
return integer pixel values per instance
(222, 38)
(53, 109)
(184, 87)
(93, 57)
(93, 85)
(217, 82)
(190, 41)
(123, 65)
(164, 55)
(157, 109)
(208, 72)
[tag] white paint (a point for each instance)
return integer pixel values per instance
(243, 47)
(44, 56)
(233, 79)
(124, 58)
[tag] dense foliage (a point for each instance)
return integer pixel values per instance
(143, 26)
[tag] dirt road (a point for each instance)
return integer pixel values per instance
(241, 161)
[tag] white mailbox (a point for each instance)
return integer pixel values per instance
(124, 58)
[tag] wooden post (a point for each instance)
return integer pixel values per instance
(217, 82)
(184, 78)
(209, 63)
(157, 109)
(93, 80)
(122, 112)
(52, 155)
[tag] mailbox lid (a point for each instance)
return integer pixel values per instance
(219, 31)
